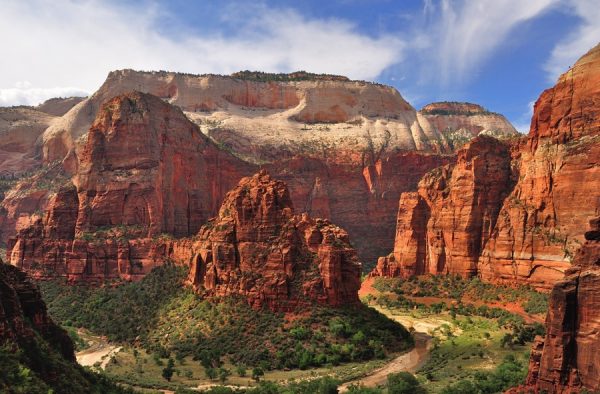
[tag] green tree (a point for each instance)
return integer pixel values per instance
(241, 370)
(211, 373)
(257, 373)
(224, 373)
(404, 383)
(167, 372)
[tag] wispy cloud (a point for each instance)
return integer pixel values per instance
(583, 37)
(465, 33)
(69, 43)
(523, 123)
(64, 43)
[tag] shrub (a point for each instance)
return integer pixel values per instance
(404, 383)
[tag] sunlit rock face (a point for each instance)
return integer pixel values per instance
(258, 249)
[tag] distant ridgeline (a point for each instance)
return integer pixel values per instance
(260, 76)
(455, 108)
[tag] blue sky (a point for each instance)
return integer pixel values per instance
(498, 53)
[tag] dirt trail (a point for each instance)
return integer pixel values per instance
(409, 362)
(100, 351)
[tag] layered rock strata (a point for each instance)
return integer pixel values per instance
(566, 360)
(258, 249)
(145, 174)
(539, 225)
(443, 227)
(277, 118)
(538, 197)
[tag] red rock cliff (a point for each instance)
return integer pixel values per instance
(531, 230)
(23, 315)
(258, 249)
(557, 193)
(567, 359)
(443, 227)
(145, 170)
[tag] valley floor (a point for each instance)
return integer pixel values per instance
(99, 352)
(408, 362)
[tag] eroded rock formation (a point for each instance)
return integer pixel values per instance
(460, 122)
(520, 222)
(258, 249)
(567, 359)
(443, 227)
(145, 174)
(540, 224)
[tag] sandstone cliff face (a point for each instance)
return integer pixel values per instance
(146, 165)
(358, 141)
(20, 143)
(539, 225)
(460, 122)
(288, 117)
(26, 185)
(537, 199)
(443, 227)
(258, 249)
(567, 359)
(145, 171)
(359, 201)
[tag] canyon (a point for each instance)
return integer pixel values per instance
(510, 212)
(281, 189)
(349, 168)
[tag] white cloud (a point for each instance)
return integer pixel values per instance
(467, 32)
(32, 96)
(584, 37)
(76, 43)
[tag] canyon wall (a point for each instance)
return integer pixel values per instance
(566, 360)
(460, 122)
(540, 224)
(519, 221)
(443, 227)
(145, 174)
(279, 118)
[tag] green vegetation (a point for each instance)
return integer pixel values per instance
(260, 76)
(118, 232)
(464, 290)
(168, 319)
(467, 345)
(137, 367)
(36, 367)
(457, 138)
(78, 341)
(477, 348)
(50, 177)
(511, 372)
